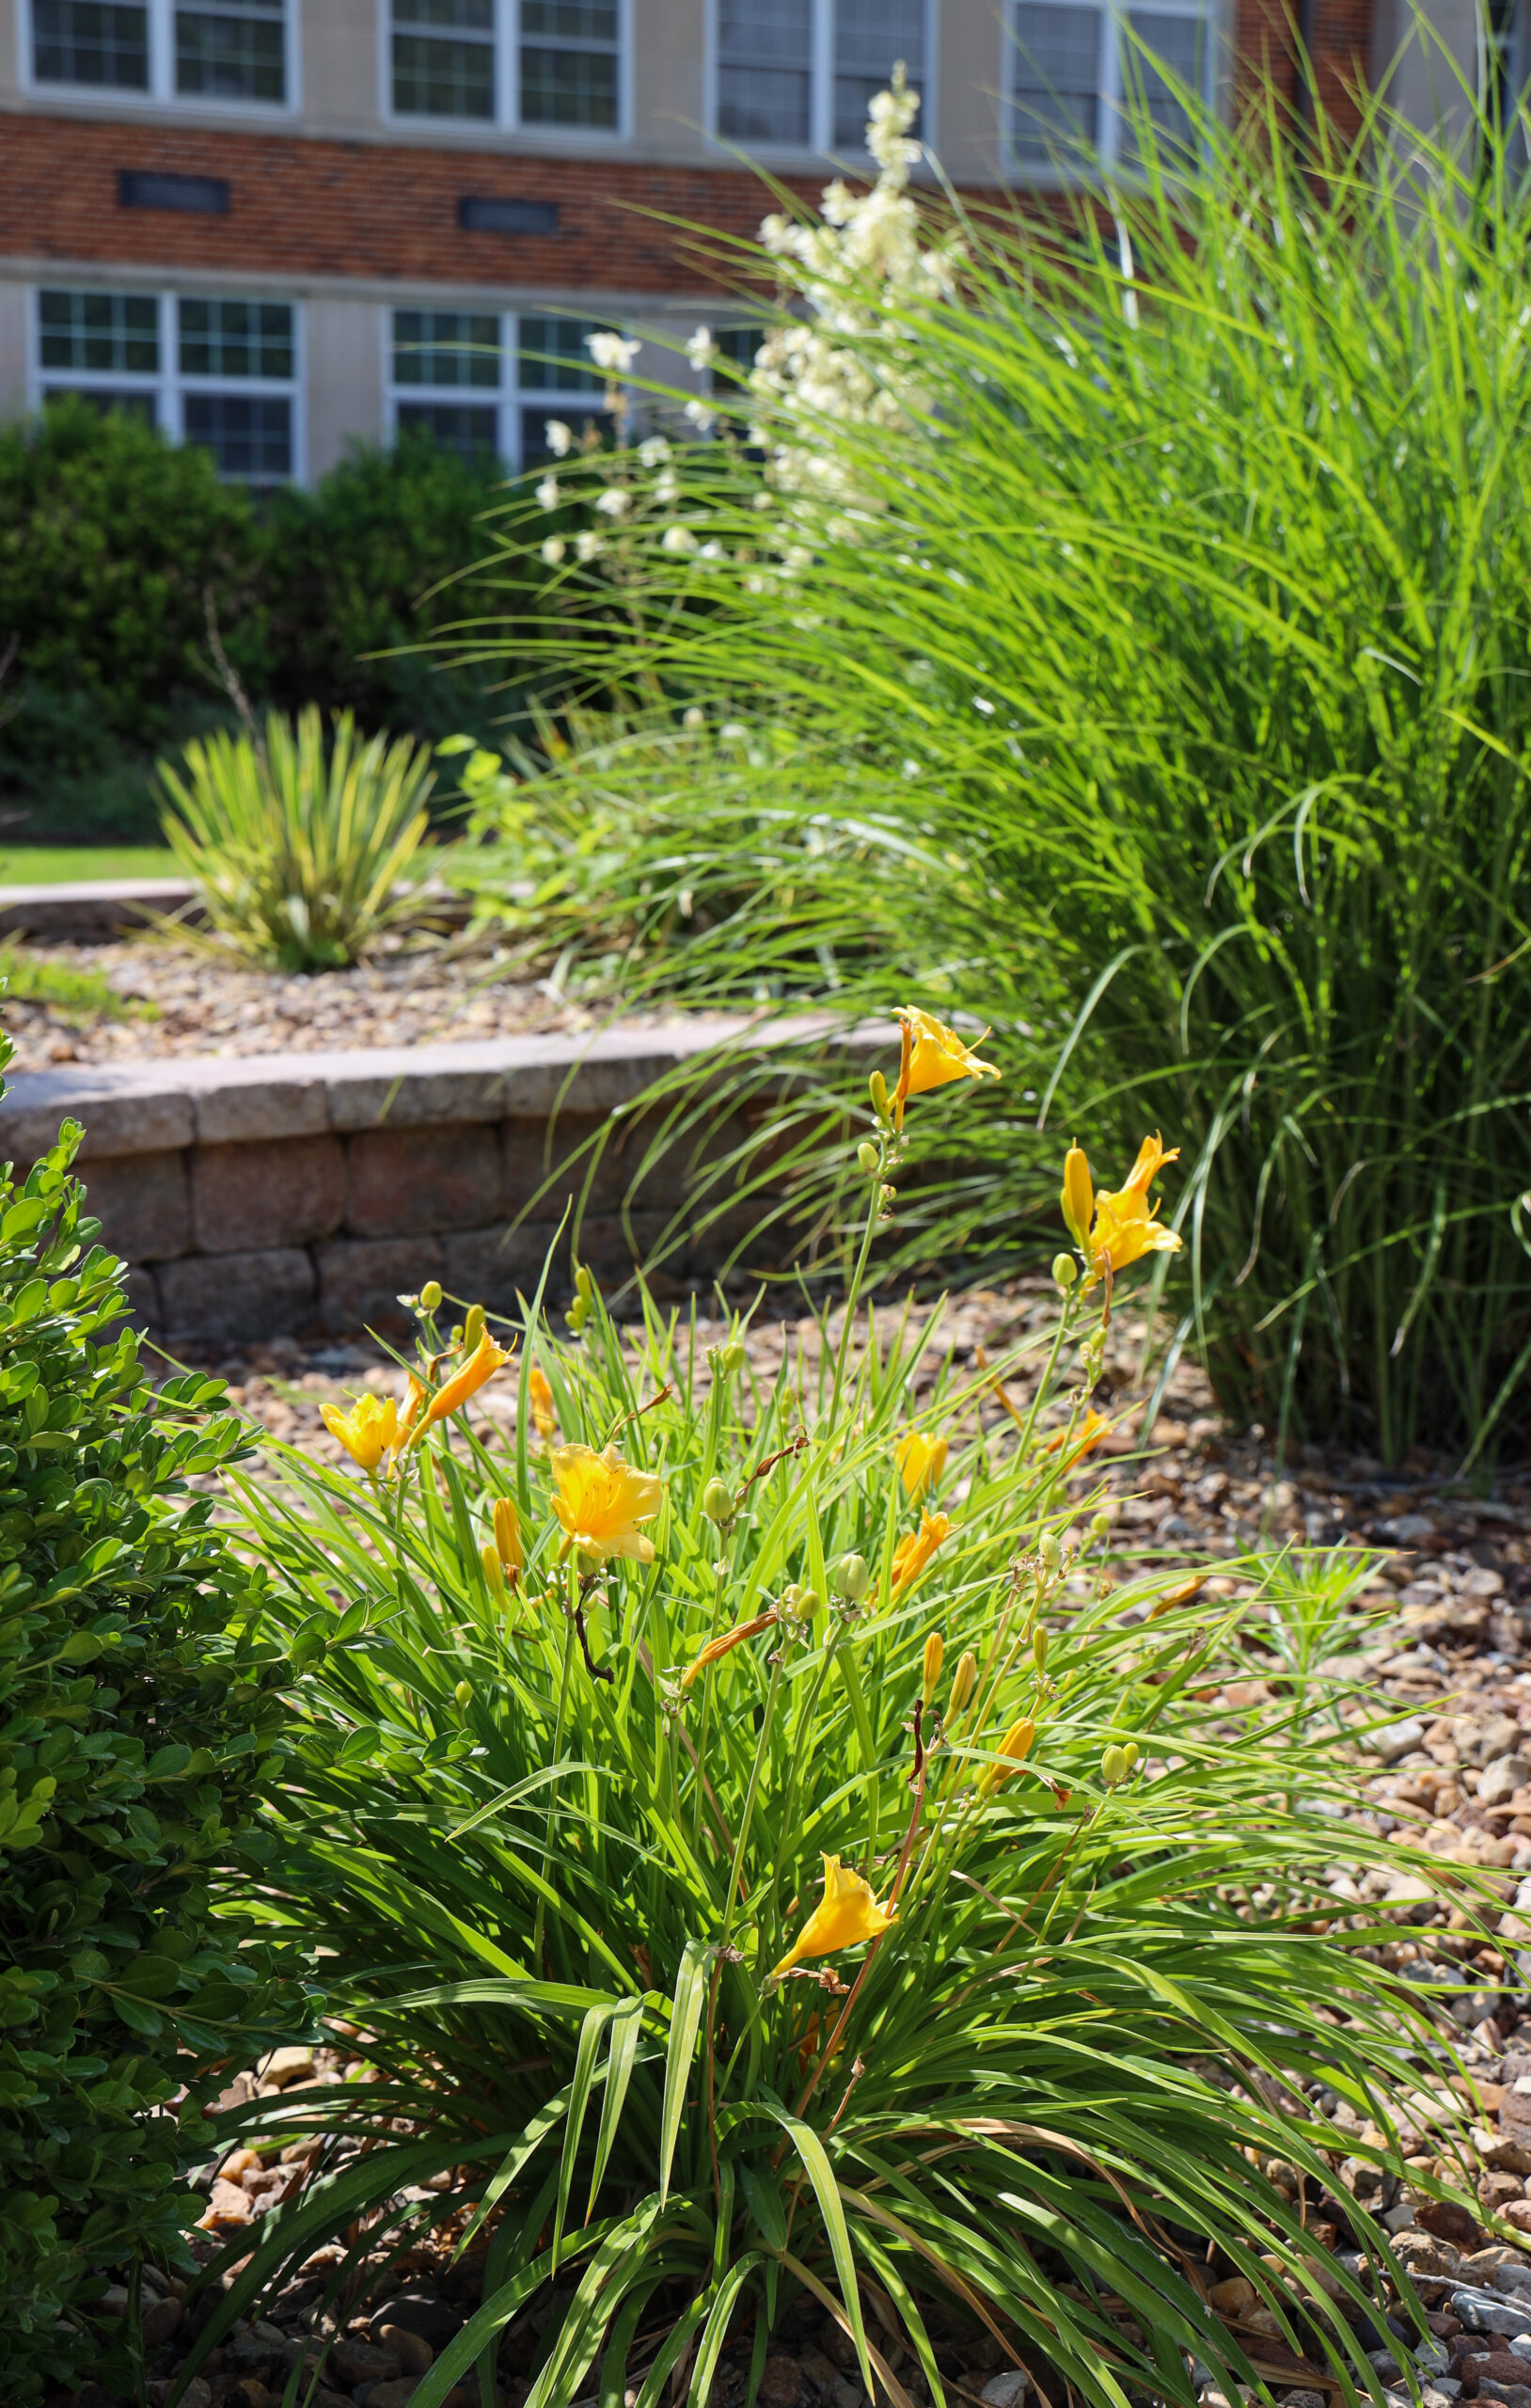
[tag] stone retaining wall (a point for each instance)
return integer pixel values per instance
(281, 1194)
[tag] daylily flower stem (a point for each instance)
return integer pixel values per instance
(558, 1751)
(745, 1819)
(1044, 1383)
(852, 1298)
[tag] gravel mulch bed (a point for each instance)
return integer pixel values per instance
(1442, 1632)
(182, 998)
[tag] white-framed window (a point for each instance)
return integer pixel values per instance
(558, 64)
(212, 369)
(798, 75)
(1073, 69)
(484, 382)
(214, 53)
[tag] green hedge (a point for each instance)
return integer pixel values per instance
(137, 1710)
(113, 542)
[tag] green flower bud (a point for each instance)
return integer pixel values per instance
(868, 1156)
(878, 1088)
(1114, 1768)
(463, 1692)
(431, 1296)
(850, 1578)
(730, 1358)
(1050, 1550)
(1065, 1272)
(1099, 1526)
(1039, 1648)
(473, 1327)
(717, 1502)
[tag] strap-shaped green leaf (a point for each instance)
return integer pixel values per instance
(710, 2346)
(686, 2017)
(626, 2027)
(820, 2173)
(579, 2088)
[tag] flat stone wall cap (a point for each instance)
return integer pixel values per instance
(502, 1078)
(240, 1100)
(97, 907)
(127, 1108)
(161, 894)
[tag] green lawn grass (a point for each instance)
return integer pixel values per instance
(63, 864)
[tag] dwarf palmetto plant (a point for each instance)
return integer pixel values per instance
(588, 1713)
(1150, 682)
(299, 844)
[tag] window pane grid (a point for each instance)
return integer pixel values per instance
(553, 357)
(1173, 48)
(438, 347)
(112, 334)
(1054, 80)
(565, 63)
(472, 431)
(104, 42)
(249, 435)
(232, 49)
(245, 339)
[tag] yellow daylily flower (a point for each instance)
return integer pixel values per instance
(725, 1642)
(1125, 1228)
(601, 1501)
(845, 1915)
(414, 1399)
(540, 1390)
(367, 1432)
(932, 1056)
(915, 1549)
(485, 1361)
(1091, 1430)
(920, 1462)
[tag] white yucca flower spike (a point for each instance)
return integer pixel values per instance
(612, 353)
(559, 439)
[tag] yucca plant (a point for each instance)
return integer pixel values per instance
(1150, 679)
(299, 844)
(588, 1715)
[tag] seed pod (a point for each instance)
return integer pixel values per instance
(934, 1649)
(463, 1692)
(964, 1682)
(850, 1578)
(717, 1502)
(1065, 1272)
(431, 1296)
(473, 1326)
(867, 1155)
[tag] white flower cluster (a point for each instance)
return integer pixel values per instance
(857, 273)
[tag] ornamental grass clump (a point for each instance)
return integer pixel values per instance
(298, 845)
(1115, 616)
(763, 1857)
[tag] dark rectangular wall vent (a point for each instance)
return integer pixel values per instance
(195, 196)
(480, 215)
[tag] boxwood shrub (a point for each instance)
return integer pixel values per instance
(135, 1716)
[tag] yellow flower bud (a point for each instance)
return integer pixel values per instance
(1078, 1197)
(508, 1537)
(431, 1296)
(473, 1328)
(934, 1649)
(493, 1576)
(1014, 1748)
(877, 1086)
(964, 1682)
(1065, 1272)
